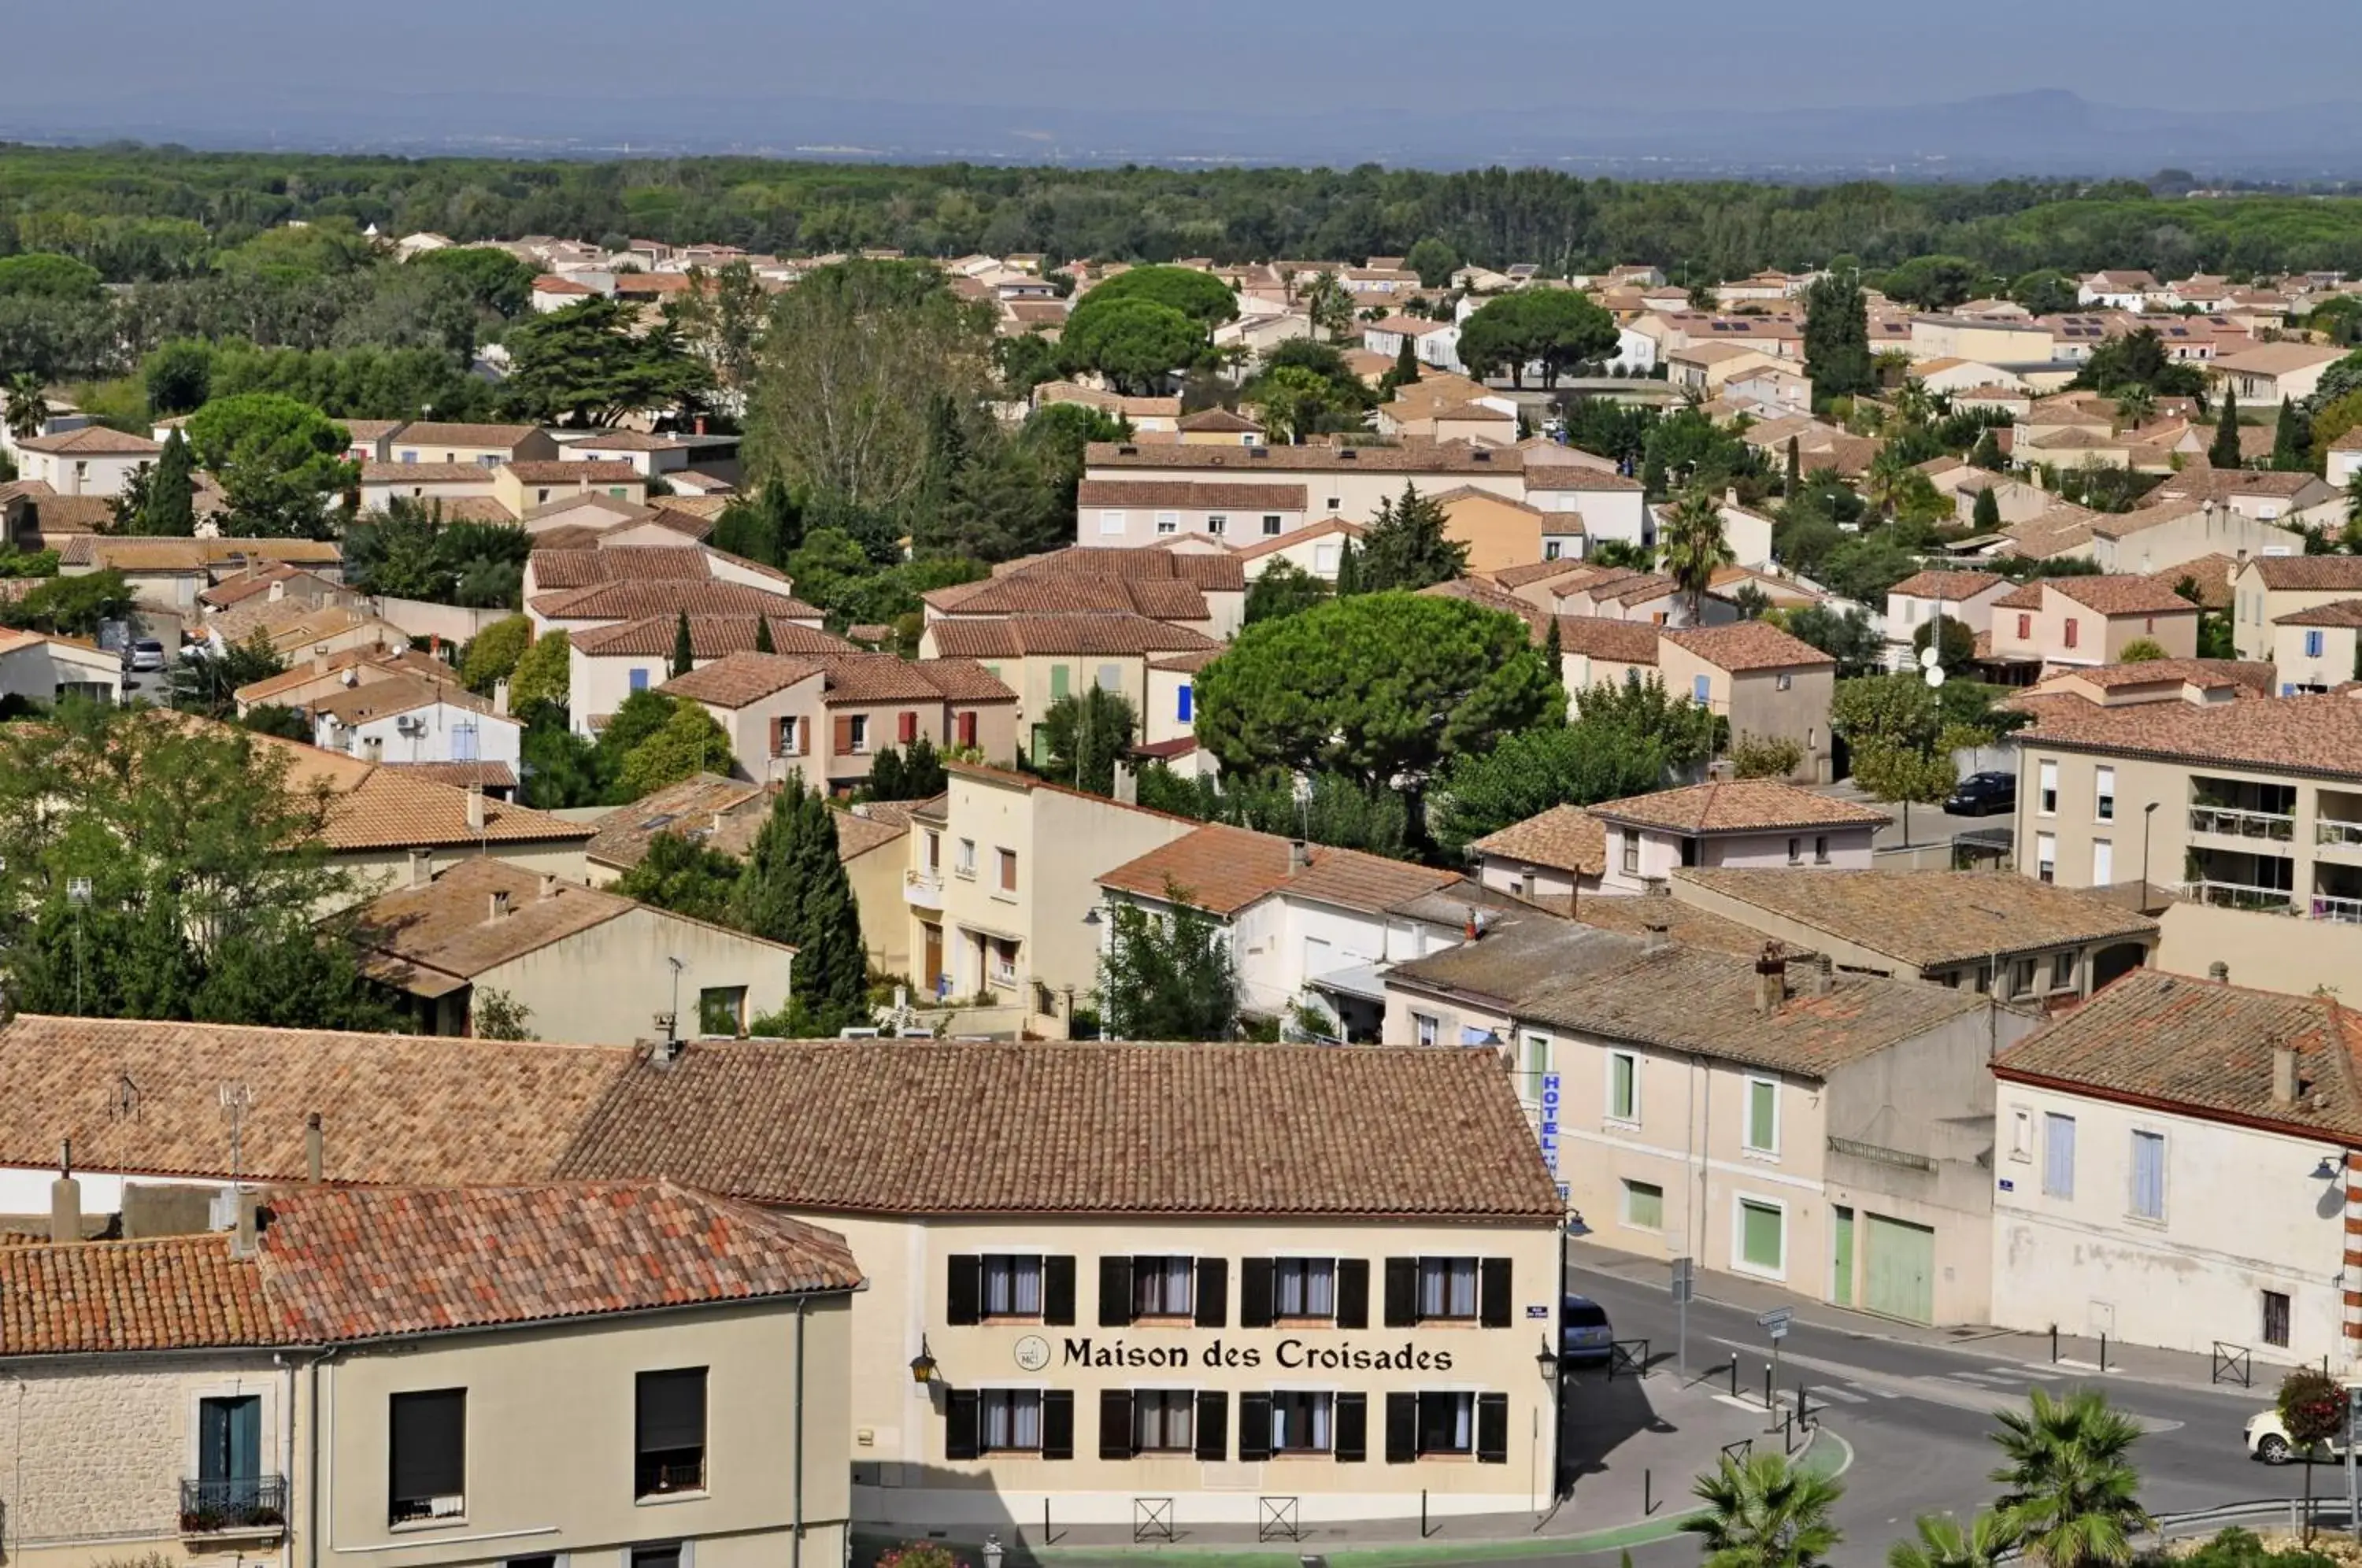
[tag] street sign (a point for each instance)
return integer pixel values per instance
(1775, 1319)
(1779, 1330)
(1684, 1280)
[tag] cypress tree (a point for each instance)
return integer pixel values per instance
(762, 634)
(1987, 515)
(2288, 439)
(1552, 649)
(1795, 470)
(172, 507)
(1349, 570)
(1405, 371)
(684, 656)
(794, 890)
(886, 775)
(2225, 452)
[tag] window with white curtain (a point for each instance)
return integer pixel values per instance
(1013, 1286)
(1447, 1287)
(1299, 1421)
(1160, 1287)
(1447, 1423)
(1304, 1287)
(1009, 1420)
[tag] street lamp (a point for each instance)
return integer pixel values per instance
(2148, 816)
(1548, 1361)
(922, 1365)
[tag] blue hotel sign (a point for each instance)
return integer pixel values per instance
(1550, 1121)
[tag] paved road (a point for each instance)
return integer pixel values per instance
(1918, 1416)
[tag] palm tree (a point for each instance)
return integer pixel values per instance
(1883, 484)
(2069, 1490)
(1692, 545)
(2135, 404)
(27, 409)
(1765, 1513)
(1327, 303)
(1945, 1543)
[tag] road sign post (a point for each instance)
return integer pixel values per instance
(1684, 1285)
(1775, 1323)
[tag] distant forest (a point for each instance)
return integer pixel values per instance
(156, 214)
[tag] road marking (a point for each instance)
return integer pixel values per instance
(2001, 1379)
(1842, 1395)
(2036, 1373)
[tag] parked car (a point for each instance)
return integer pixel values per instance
(1583, 1333)
(2268, 1440)
(145, 654)
(1982, 795)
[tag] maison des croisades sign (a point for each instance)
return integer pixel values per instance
(1034, 1353)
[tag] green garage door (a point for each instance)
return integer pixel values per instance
(1899, 1277)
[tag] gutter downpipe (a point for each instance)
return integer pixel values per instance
(796, 1531)
(312, 1484)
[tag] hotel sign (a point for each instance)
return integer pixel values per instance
(1289, 1354)
(1550, 1121)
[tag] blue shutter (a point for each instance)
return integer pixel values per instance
(1181, 710)
(2148, 1175)
(2312, 645)
(1700, 686)
(639, 681)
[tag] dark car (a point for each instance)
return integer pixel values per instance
(1584, 1333)
(1982, 795)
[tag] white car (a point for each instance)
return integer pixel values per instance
(2267, 1440)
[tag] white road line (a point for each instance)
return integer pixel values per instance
(1843, 1396)
(2037, 1374)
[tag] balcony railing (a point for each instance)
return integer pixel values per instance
(2237, 823)
(213, 1505)
(925, 889)
(2336, 834)
(2241, 896)
(2329, 907)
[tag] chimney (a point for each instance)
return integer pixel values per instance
(549, 884)
(500, 904)
(1300, 855)
(1770, 980)
(2284, 1082)
(500, 697)
(1821, 976)
(373, 749)
(65, 1200)
(315, 1148)
(242, 1240)
(2219, 972)
(1653, 935)
(1474, 930)
(475, 808)
(319, 664)
(422, 868)
(1127, 784)
(700, 425)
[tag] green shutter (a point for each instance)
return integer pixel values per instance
(1759, 1235)
(1057, 681)
(1644, 1206)
(1762, 1115)
(1620, 1090)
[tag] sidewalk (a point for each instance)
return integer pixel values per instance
(1636, 1445)
(2139, 1363)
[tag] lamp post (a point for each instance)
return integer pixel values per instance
(2148, 816)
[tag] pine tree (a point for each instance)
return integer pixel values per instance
(171, 504)
(1986, 515)
(2288, 440)
(684, 656)
(794, 890)
(886, 775)
(2225, 452)
(1986, 454)
(1406, 546)
(762, 634)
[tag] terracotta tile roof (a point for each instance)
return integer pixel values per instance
(1218, 419)
(374, 662)
(1225, 868)
(168, 1293)
(1685, 924)
(959, 680)
(429, 434)
(2122, 595)
(1747, 644)
(1196, 495)
(2319, 735)
(1213, 573)
(2027, 596)
(137, 555)
(1953, 586)
(1018, 636)
(1927, 919)
(709, 636)
(144, 1098)
(688, 807)
(1326, 527)
(2210, 574)
(1566, 838)
(634, 599)
(1697, 1000)
(555, 570)
(392, 807)
(736, 679)
(1575, 476)
(484, 775)
(431, 941)
(1159, 600)
(2336, 612)
(1519, 953)
(1743, 805)
(426, 473)
(1535, 571)
(1619, 642)
(562, 470)
(357, 705)
(2211, 673)
(2202, 1048)
(1477, 590)
(2309, 574)
(91, 441)
(1407, 457)
(1084, 1127)
(858, 835)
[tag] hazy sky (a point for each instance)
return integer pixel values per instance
(1210, 55)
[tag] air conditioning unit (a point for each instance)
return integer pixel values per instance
(409, 724)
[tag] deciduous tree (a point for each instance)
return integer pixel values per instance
(1167, 974)
(1084, 735)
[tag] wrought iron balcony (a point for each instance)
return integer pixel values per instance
(215, 1505)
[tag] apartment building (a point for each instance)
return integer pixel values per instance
(823, 718)
(2266, 588)
(1044, 657)
(1322, 481)
(2056, 621)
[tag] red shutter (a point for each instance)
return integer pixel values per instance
(967, 730)
(779, 736)
(2070, 630)
(2026, 625)
(844, 736)
(908, 728)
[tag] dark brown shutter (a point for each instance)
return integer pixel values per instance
(1493, 1429)
(1402, 1292)
(843, 735)
(964, 1301)
(1254, 1293)
(428, 1444)
(1353, 1293)
(1213, 1293)
(1058, 1291)
(1115, 1424)
(1115, 1292)
(1492, 1293)
(1254, 1427)
(1058, 1423)
(1213, 1425)
(960, 1423)
(1352, 1427)
(1402, 1428)
(779, 737)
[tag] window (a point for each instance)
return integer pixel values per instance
(1184, 700)
(1762, 1237)
(2148, 1176)
(1304, 1287)
(1112, 522)
(1550, 550)
(1004, 961)
(1762, 1116)
(2312, 645)
(1623, 1086)
(2276, 1318)
(229, 1455)
(1007, 869)
(669, 1432)
(1427, 1028)
(666, 1556)
(426, 1449)
(1447, 1288)
(1631, 852)
(964, 859)
(2104, 789)
(2046, 856)
(2103, 863)
(2046, 777)
(1447, 1423)
(1011, 1286)
(1783, 681)
(1336, 504)
(2058, 1155)
(1168, 522)
(1795, 852)
(2062, 971)
(1108, 677)
(1300, 1421)
(856, 733)
(1820, 849)
(2024, 626)
(639, 681)
(1271, 524)
(1160, 1287)
(721, 1009)
(1216, 523)
(463, 741)
(906, 727)
(1644, 1205)
(1164, 1421)
(2021, 976)
(2021, 1134)
(1701, 688)
(1059, 678)
(1324, 561)
(1009, 1420)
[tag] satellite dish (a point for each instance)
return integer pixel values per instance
(1930, 655)
(1935, 676)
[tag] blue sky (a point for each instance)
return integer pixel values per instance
(1211, 56)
